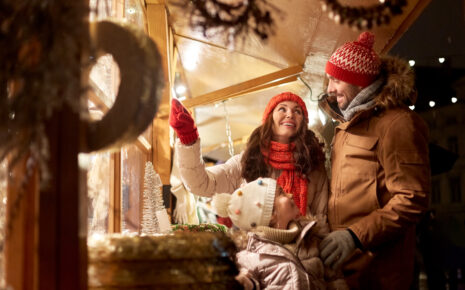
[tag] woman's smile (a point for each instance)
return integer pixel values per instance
(287, 119)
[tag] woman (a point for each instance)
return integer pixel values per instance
(281, 148)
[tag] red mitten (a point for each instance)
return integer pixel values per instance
(181, 121)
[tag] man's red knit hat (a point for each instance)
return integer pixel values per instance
(287, 96)
(355, 62)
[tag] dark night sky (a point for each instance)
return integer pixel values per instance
(438, 32)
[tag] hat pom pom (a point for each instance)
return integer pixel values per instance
(366, 39)
(220, 204)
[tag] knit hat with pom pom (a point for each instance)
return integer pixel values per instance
(250, 206)
(355, 62)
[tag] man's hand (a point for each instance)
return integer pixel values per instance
(182, 123)
(336, 247)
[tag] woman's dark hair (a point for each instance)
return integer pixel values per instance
(308, 152)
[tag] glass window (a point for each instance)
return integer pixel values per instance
(99, 175)
(132, 186)
(115, 180)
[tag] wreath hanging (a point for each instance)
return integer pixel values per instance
(363, 17)
(230, 18)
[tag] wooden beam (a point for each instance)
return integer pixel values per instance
(173, 57)
(405, 25)
(114, 216)
(162, 2)
(266, 86)
(269, 80)
(158, 30)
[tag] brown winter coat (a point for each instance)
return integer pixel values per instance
(380, 181)
(225, 178)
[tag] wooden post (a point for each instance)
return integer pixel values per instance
(20, 241)
(46, 244)
(158, 30)
(62, 231)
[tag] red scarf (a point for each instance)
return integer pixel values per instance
(281, 157)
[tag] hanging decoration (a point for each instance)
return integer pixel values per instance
(228, 131)
(140, 88)
(154, 216)
(230, 18)
(42, 44)
(363, 17)
(47, 50)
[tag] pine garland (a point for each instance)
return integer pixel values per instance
(41, 48)
(199, 228)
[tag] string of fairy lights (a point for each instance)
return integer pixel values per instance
(432, 61)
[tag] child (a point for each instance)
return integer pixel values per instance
(281, 251)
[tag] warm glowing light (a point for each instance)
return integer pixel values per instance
(131, 10)
(411, 62)
(412, 107)
(180, 89)
(432, 104)
(441, 59)
(190, 57)
(322, 117)
(453, 100)
(312, 117)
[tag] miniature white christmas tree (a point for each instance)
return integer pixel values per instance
(154, 216)
(149, 216)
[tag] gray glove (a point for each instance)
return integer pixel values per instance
(336, 247)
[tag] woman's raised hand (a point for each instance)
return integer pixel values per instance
(183, 123)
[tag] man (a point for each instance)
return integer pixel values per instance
(380, 175)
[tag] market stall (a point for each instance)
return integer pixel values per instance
(86, 89)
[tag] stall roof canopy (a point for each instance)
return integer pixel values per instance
(229, 85)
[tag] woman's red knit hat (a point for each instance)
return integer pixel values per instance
(287, 96)
(355, 62)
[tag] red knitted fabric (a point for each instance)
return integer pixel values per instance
(280, 157)
(182, 123)
(287, 96)
(355, 62)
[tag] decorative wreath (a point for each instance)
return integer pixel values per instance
(363, 17)
(230, 18)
